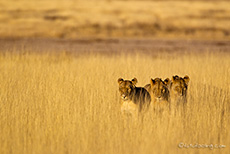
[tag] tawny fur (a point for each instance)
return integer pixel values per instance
(134, 100)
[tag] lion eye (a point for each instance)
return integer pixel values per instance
(177, 88)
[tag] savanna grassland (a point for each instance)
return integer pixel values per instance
(60, 61)
(69, 103)
(110, 18)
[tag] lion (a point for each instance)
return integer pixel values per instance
(159, 92)
(178, 93)
(178, 89)
(134, 100)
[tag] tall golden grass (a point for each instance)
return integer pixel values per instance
(66, 103)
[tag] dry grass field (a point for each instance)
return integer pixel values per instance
(110, 18)
(60, 61)
(69, 103)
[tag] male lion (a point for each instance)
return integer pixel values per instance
(159, 92)
(134, 100)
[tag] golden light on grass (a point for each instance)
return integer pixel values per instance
(60, 103)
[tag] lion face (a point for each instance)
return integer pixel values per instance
(179, 86)
(126, 88)
(159, 89)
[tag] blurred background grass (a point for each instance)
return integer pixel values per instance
(186, 19)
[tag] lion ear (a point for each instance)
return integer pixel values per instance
(167, 81)
(186, 79)
(120, 80)
(134, 81)
(152, 82)
(175, 77)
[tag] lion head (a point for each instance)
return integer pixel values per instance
(126, 87)
(179, 86)
(159, 89)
